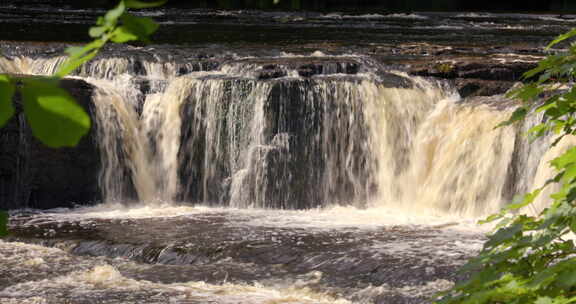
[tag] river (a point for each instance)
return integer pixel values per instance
(268, 157)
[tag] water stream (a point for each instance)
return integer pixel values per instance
(202, 170)
(273, 176)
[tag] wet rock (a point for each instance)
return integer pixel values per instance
(501, 72)
(275, 67)
(390, 80)
(33, 175)
(475, 70)
(478, 76)
(304, 124)
(478, 87)
(270, 72)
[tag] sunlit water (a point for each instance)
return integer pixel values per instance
(395, 180)
(200, 179)
(50, 275)
(403, 258)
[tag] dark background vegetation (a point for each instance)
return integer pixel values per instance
(565, 6)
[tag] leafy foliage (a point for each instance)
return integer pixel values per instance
(118, 26)
(532, 259)
(54, 116)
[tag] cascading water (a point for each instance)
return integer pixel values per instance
(295, 143)
(125, 153)
(229, 138)
(460, 158)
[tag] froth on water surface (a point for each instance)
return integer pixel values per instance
(319, 218)
(329, 255)
(42, 275)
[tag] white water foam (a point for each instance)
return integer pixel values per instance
(94, 280)
(475, 15)
(407, 16)
(338, 217)
(374, 16)
(106, 280)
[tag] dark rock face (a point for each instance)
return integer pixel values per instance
(479, 87)
(485, 70)
(33, 175)
(310, 151)
(269, 68)
(476, 76)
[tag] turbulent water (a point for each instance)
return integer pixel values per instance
(50, 275)
(226, 138)
(408, 161)
(236, 256)
(301, 177)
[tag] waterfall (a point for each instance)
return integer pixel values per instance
(162, 124)
(459, 157)
(125, 154)
(367, 138)
(545, 172)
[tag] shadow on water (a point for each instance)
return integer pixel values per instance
(343, 5)
(239, 28)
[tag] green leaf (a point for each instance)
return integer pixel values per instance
(561, 38)
(569, 173)
(530, 197)
(549, 103)
(97, 31)
(524, 201)
(567, 278)
(526, 93)
(142, 27)
(543, 279)
(562, 161)
(572, 224)
(123, 34)
(79, 56)
(518, 114)
(504, 235)
(113, 15)
(75, 50)
(3, 223)
(537, 132)
(490, 218)
(538, 129)
(6, 92)
(143, 4)
(529, 92)
(54, 116)
(73, 63)
(544, 300)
